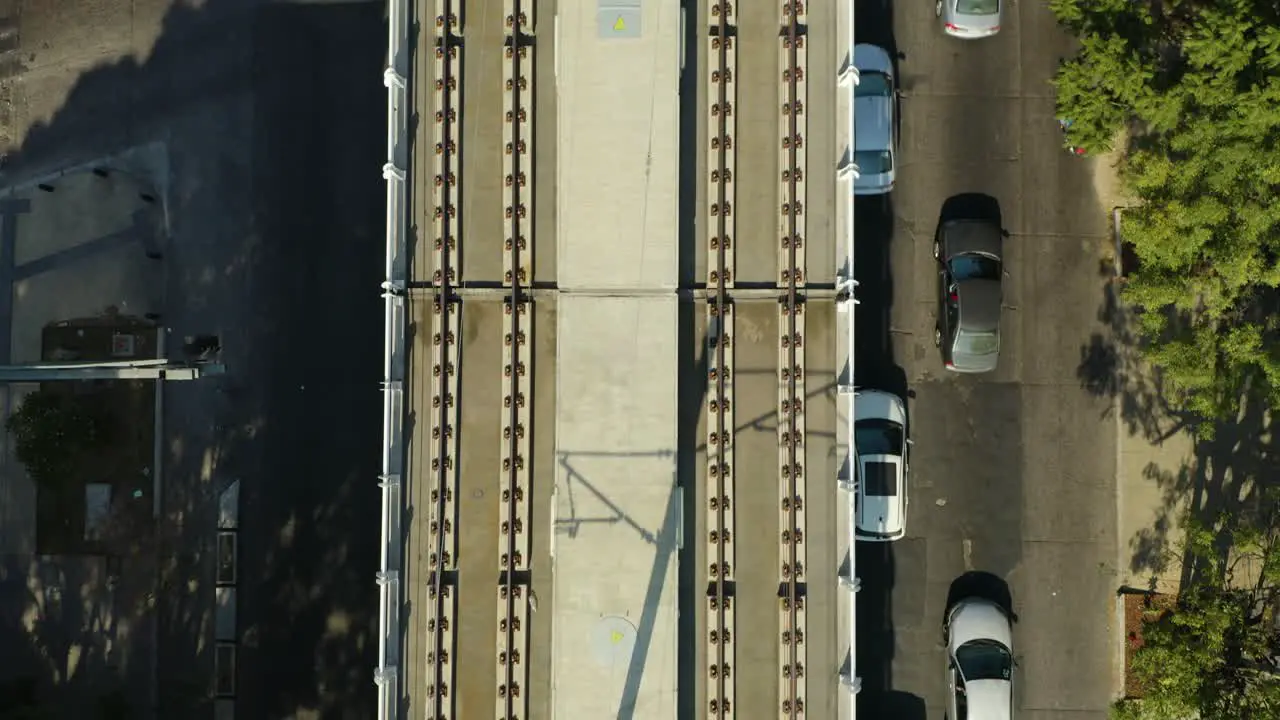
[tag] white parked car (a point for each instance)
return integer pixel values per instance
(979, 661)
(881, 451)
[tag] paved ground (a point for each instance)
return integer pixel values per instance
(273, 118)
(1013, 473)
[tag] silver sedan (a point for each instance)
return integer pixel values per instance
(970, 19)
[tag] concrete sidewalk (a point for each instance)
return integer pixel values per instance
(1155, 456)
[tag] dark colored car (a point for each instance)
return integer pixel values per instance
(969, 294)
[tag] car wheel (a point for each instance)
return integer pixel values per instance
(937, 336)
(937, 9)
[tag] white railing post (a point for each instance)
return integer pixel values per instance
(846, 304)
(395, 173)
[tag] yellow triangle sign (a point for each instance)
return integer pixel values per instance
(619, 25)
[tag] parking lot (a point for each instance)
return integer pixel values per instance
(1013, 472)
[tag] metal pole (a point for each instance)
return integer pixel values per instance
(159, 369)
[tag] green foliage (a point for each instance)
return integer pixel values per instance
(1194, 87)
(1204, 658)
(1099, 86)
(50, 431)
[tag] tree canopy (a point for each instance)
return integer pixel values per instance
(50, 431)
(1192, 88)
(1210, 657)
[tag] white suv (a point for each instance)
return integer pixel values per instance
(881, 449)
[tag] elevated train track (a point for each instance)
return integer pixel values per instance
(517, 292)
(513, 600)
(791, 364)
(720, 426)
(441, 643)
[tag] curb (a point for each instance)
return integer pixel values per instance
(1117, 632)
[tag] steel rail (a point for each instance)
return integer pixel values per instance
(441, 608)
(793, 593)
(513, 594)
(720, 280)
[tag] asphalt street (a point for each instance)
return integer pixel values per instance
(1012, 472)
(273, 115)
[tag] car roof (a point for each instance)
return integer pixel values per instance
(979, 304)
(873, 123)
(882, 514)
(971, 236)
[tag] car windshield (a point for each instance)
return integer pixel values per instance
(973, 266)
(978, 7)
(873, 162)
(873, 84)
(878, 437)
(969, 342)
(984, 660)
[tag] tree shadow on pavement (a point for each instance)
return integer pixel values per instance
(1218, 480)
(273, 117)
(1111, 365)
(63, 648)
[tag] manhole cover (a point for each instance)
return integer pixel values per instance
(612, 641)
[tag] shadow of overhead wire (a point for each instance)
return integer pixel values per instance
(571, 525)
(666, 542)
(762, 422)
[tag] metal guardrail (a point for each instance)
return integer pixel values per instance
(395, 172)
(846, 287)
